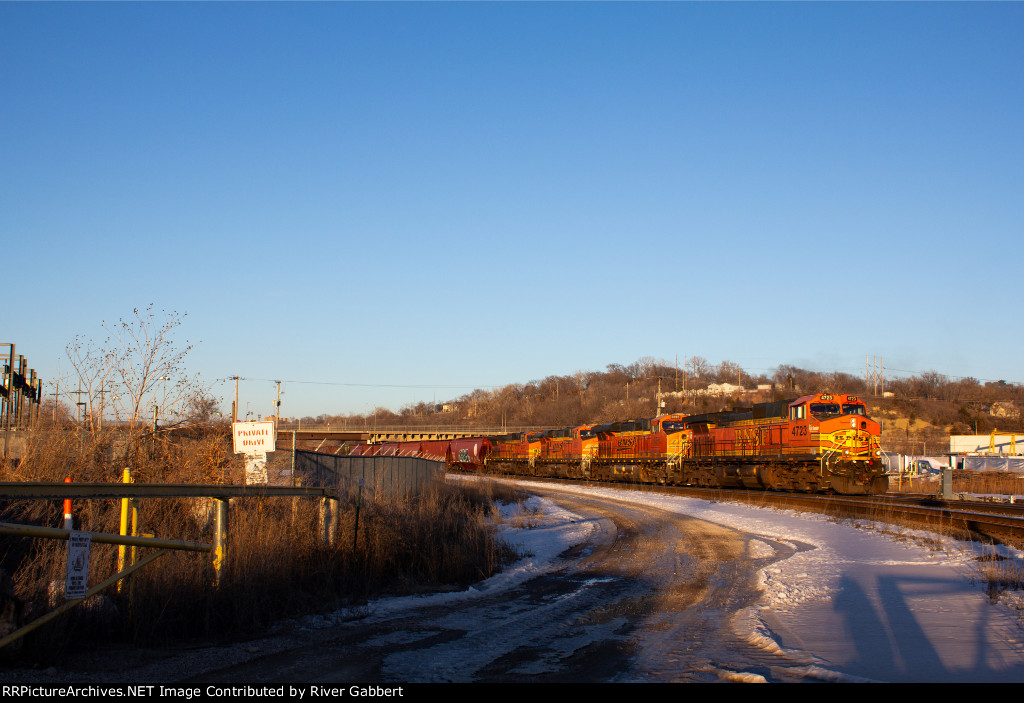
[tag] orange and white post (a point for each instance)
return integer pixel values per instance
(69, 521)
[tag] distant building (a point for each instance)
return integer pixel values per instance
(724, 389)
(1006, 443)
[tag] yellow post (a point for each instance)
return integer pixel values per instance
(220, 543)
(135, 528)
(126, 477)
(132, 553)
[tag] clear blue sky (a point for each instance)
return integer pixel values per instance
(443, 196)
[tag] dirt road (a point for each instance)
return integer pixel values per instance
(651, 597)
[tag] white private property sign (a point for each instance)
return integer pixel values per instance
(253, 437)
(255, 468)
(76, 583)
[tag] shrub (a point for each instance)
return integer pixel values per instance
(277, 564)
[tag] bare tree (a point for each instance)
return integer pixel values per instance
(729, 372)
(148, 364)
(92, 366)
(699, 370)
(201, 408)
(138, 366)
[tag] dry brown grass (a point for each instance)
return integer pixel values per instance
(278, 566)
(914, 484)
(1002, 575)
(489, 492)
(990, 482)
(987, 483)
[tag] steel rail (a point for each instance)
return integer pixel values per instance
(969, 519)
(966, 518)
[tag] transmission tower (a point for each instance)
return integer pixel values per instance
(874, 375)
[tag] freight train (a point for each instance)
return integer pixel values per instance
(816, 443)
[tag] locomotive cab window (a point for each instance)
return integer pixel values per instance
(854, 410)
(797, 413)
(825, 409)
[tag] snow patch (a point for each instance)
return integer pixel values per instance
(757, 549)
(740, 677)
(862, 601)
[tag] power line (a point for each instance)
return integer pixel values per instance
(358, 385)
(344, 384)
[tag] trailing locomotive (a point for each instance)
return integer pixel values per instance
(820, 442)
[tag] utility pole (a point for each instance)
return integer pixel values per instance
(99, 422)
(79, 402)
(684, 375)
(234, 406)
(277, 405)
(19, 406)
(36, 385)
(9, 383)
(163, 397)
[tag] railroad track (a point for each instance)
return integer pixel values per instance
(992, 522)
(1001, 523)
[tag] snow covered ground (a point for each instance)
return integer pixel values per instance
(855, 601)
(840, 602)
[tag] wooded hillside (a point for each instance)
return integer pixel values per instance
(916, 411)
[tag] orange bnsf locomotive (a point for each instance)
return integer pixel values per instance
(820, 442)
(814, 443)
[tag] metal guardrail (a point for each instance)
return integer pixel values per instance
(219, 492)
(11, 528)
(90, 491)
(54, 491)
